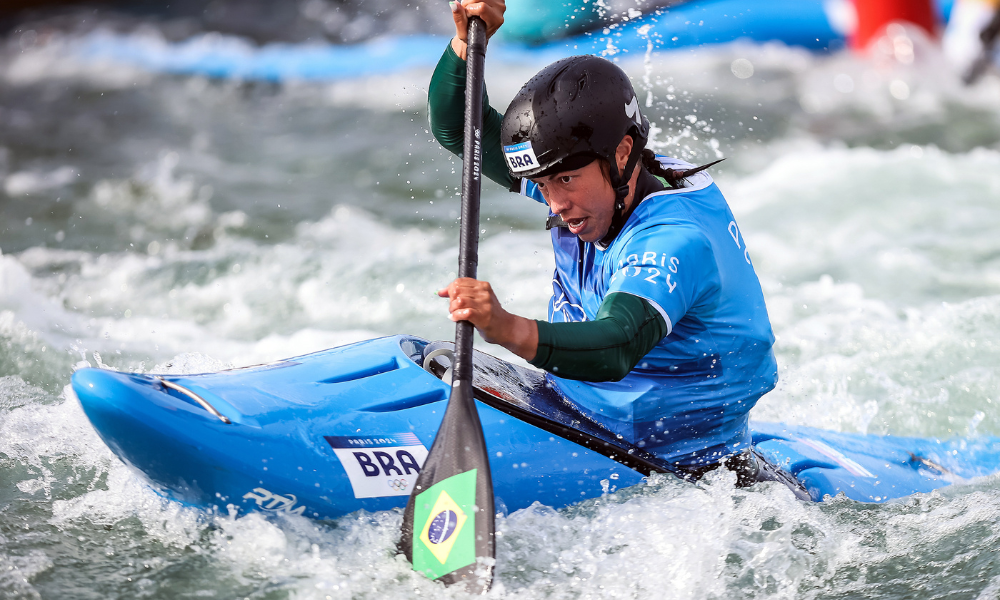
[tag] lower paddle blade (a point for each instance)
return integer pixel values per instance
(448, 526)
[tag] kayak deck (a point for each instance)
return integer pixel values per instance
(347, 428)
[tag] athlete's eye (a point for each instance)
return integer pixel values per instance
(565, 179)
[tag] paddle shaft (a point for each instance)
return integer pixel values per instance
(472, 163)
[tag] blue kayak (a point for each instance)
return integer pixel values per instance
(348, 428)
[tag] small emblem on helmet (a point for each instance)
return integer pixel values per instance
(632, 111)
(520, 157)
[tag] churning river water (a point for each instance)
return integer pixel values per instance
(155, 222)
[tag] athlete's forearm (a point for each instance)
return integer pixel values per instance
(521, 337)
(605, 349)
(446, 108)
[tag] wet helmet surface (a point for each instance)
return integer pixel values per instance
(576, 107)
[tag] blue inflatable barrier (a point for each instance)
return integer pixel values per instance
(528, 32)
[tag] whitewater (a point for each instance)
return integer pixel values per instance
(174, 223)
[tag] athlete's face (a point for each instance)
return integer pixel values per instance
(583, 198)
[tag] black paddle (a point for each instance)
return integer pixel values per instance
(448, 525)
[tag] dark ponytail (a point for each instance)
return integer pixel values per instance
(674, 177)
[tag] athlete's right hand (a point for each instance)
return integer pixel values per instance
(474, 301)
(490, 11)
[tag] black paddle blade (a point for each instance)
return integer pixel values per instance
(448, 526)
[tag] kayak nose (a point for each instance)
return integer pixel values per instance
(102, 395)
(147, 428)
(94, 387)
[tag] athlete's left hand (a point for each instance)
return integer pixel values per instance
(490, 11)
(474, 301)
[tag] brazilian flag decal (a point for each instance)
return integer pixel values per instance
(444, 514)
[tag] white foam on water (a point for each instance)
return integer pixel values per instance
(356, 557)
(65, 465)
(705, 541)
(26, 182)
(907, 223)
(136, 301)
(406, 90)
(20, 300)
(55, 56)
(870, 369)
(343, 278)
(991, 591)
(16, 572)
(61, 466)
(856, 249)
(160, 199)
(38, 430)
(128, 496)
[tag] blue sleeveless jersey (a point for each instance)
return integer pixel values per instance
(688, 400)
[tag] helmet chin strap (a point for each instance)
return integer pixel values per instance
(620, 183)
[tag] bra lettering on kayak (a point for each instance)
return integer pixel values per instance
(379, 465)
(386, 462)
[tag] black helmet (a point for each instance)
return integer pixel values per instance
(574, 110)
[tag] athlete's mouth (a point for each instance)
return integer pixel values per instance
(575, 225)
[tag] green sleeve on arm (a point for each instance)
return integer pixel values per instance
(605, 349)
(446, 109)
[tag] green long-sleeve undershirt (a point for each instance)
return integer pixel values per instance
(626, 327)
(605, 349)
(446, 111)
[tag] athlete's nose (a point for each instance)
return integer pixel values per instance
(558, 202)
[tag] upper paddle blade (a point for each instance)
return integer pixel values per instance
(448, 526)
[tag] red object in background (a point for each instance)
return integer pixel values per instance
(874, 15)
